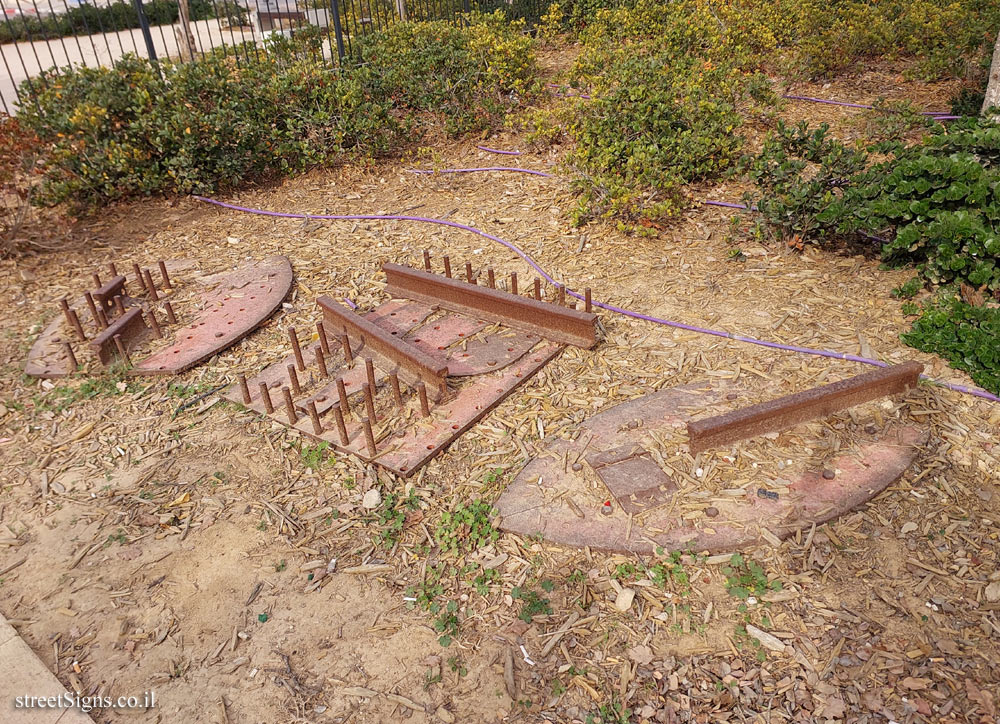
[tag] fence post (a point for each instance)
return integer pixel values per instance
(338, 31)
(146, 35)
(401, 9)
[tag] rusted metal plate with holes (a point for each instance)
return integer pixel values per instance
(495, 352)
(402, 447)
(48, 357)
(791, 410)
(634, 480)
(414, 365)
(237, 303)
(559, 324)
(130, 326)
(558, 497)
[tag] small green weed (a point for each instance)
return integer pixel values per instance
(532, 604)
(745, 578)
(466, 528)
(312, 455)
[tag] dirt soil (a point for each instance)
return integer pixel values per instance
(228, 566)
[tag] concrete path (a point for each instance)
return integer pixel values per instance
(23, 674)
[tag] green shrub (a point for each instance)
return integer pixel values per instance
(965, 335)
(213, 124)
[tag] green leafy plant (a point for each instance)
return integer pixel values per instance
(745, 578)
(447, 622)
(392, 516)
(312, 455)
(532, 604)
(466, 528)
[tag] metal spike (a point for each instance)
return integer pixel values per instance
(293, 379)
(369, 436)
(112, 270)
(513, 282)
(425, 408)
(74, 322)
(314, 416)
(103, 321)
(296, 348)
(150, 287)
(427, 260)
(154, 322)
(491, 279)
(345, 342)
(245, 389)
(342, 393)
(321, 362)
(468, 273)
(397, 394)
(447, 267)
(120, 305)
(97, 280)
(72, 357)
(538, 289)
(169, 308)
(289, 405)
(562, 295)
(122, 352)
(369, 399)
(341, 426)
(324, 343)
(140, 282)
(265, 397)
(370, 372)
(586, 300)
(93, 308)
(163, 275)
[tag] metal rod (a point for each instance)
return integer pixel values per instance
(425, 409)
(74, 322)
(491, 279)
(169, 308)
(562, 295)
(72, 357)
(369, 399)
(122, 352)
(289, 405)
(321, 362)
(468, 273)
(163, 275)
(245, 389)
(265, 397)
(296, 348)
(427, 260)
(342, 393)
(120, 305)
(97, 280)
(341, 427)
(587, 305)
(369, 436)
(294, 380)
(513, 282)
(314, 416)
(538, 289)
(139, 281)
(147, 278)
(102, 319)
(112, 270)
(345, 342)
(324, 343)
(370, 372)
(447, 267)
(93, 308)
(154, 322)
(397, 394)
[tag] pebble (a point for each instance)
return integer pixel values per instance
(606, 508)
(372, 499)
(711, 512)
(577, 467)
(829, 474)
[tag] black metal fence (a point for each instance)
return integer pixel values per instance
(36, 35)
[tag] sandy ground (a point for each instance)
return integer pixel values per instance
(174, 554)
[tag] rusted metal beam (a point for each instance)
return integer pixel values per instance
(130, 327)
(791, 410)
(414, 365)
(559, 324)
(105, 296)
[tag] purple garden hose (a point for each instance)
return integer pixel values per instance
(497, 150)
(610, 307)
(487, 168)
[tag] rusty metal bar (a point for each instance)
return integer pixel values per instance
(72, 356)
(369, 436)
(468, 273)
(342, 394)
(105, 295)
(169, 309)
(447, 266)
(538, 289)
(120, 305)
(265, 397)
(513, 282)
(122, 352)
(427, 260)
(587, 303)
(414, 364)
(491, 279)
(157, 332)
(324, 343)
(245, 389)
(74, 321)
(314, 416)
(321, 362)
(366, 389)
(130, 326)
(296, 348)
(112, 269)
(150, 287)
(791, 410)
(397, 394)
(370, 372)
(293, 379)
(139, 281)
(425, 409)
(93, 308)
(559, 324)
(341, 425)
(97, 280)
(345, 342)
(102, 319)
(163, 275)
(289, 405)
